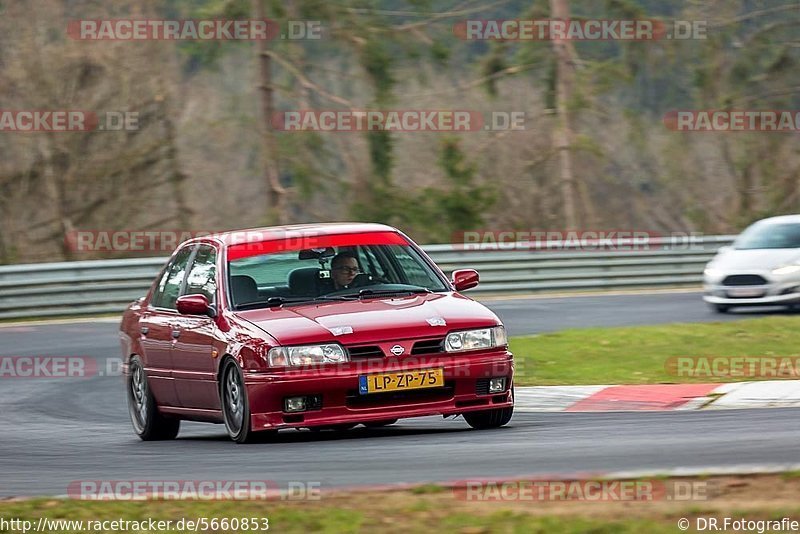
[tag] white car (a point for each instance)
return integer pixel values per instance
(762, 268)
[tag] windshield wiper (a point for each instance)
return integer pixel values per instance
(336, 297)
(271, 302)
(367, 293)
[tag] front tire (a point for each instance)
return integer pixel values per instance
(486, 419)
(148, 423)
(235, 405)
(720, 308)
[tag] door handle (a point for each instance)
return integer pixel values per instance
(176, 333)
(144, 330)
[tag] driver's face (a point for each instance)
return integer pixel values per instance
(345, 272)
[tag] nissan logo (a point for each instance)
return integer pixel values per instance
(397, 350)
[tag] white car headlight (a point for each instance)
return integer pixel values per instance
(712, 272)
(307, 355)
(786, 269)
(484, 338)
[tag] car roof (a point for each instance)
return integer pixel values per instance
(780, 219)
(320, 229)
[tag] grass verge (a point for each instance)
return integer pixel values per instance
(639, 355)
(758, 497)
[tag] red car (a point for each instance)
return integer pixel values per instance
(311, 326)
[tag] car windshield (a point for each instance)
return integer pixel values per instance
(769, 235)
(329, 273)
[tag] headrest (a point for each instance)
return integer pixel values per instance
(243, 289)
(304, 282)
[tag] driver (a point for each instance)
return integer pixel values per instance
(344, 267)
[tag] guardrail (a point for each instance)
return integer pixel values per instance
(107, 286)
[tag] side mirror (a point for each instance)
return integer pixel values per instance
(465, 279)
(194, 305)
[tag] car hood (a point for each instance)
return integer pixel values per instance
(754, 259)
(371, 320)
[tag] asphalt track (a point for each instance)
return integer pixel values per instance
(56, 431)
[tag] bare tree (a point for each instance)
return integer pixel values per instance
(270, 156)
(562, 133)
(163, 85)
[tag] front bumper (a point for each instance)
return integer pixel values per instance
(770, 300)
(342, 404)
(772, 293)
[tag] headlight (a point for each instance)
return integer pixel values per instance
(307, 355)
(786, 269)
(484, 338)
(710, 271)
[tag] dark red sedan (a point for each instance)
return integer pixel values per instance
(311, 326)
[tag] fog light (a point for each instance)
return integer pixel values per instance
(497, 385)
(294, 404)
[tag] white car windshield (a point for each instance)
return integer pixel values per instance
(769, 235)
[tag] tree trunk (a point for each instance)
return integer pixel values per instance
(177, 177)
(562, 135)
(5, 255)
(746, 189)
(277, 194)
(184, 215)
(56, 174)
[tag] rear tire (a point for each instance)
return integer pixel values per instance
(148, 423)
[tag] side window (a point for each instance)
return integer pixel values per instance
(202, 277)
(167, 291)
(414, 271)
(369, 262)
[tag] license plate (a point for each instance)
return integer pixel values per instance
(401, 380)
(745, 292)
